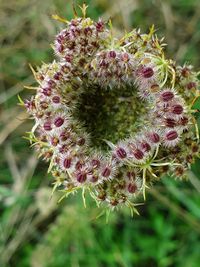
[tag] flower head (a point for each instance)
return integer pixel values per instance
(123, 90)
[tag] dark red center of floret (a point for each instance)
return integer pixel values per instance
(64, 135)
(81, 141)
(29, 104)
(47, 126)
(132, 188)
(184, 121)
(54, 141)
(94, 179)
(169, 122)
(138, 154)
(79, 165)
(51, 83)
(96, 163)
(81, 177)
(167, 96)
(67, 163)
(145, 146)
(154, 137)
(177, 109)
(44, 105)
(112, 54)
(57, 76)
(106, 172)
(191, 85)
(100, 26)
(58, 122)
(125, 57)
(46, 91)
(171, 135)
(147, 72)
(56, 99)
(121, 153)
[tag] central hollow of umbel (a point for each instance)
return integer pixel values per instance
(110, 114)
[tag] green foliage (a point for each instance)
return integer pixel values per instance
(34, 230)
(79, 240)
(196, 104)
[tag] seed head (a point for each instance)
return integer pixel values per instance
(94, 75)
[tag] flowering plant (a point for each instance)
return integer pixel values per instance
(113, 115)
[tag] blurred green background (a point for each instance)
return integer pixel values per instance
(34, 230)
